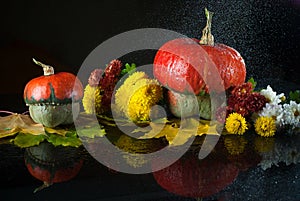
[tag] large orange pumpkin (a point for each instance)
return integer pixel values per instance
(173, 63)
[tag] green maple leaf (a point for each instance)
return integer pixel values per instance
(24, 140)
(91, 132)
(70, 139)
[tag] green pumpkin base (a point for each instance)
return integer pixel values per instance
(185, 105)
(54, 115)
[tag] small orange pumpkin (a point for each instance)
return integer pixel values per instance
(50, 97)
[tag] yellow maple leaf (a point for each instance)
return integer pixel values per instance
(208, 128)
(179, 132)
(58, 131)
(154, 130)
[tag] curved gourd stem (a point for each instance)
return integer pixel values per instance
(45, 185)
(207, 38)
(48, 70)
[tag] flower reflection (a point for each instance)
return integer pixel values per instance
(240, 152)
(263, 145)
(284, 151)
(235, 145)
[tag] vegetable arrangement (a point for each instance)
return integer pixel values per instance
(177, 81)
(183, 68)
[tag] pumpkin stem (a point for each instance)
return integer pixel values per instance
(45, 185)
(207, 38)
(48, 70)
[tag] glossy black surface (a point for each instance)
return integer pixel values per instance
(266, 33)
(264, 169)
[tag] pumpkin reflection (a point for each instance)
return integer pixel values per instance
(192, 177)
(51, 164)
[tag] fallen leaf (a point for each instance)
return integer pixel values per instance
(178, 132)
(188, 128)
(70, 139)
(208, 128)
(24, 140)
(142, 129)
(15, 123)
(8, 132)
(91, 131)
(58, 131)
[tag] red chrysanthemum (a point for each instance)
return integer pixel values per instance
(106, 81)
(241, 100)
(237, 104)
(244, 101)
(242, 90)
(255, 102)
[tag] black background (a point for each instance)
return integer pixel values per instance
(63, 33)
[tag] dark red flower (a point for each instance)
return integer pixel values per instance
(113, 69)
(238, 99)
(244, 101)
(106, 81)
(242, 90)
(255, 102)
(238, 104)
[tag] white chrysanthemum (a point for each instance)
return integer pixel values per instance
(271, 95)
(291, 114)
(273, 110)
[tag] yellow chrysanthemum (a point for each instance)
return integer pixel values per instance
(123, 94)
(265, 126)
(236, 124)
(137, 95)
(146, 96)
(91, 100)
(235, 145)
